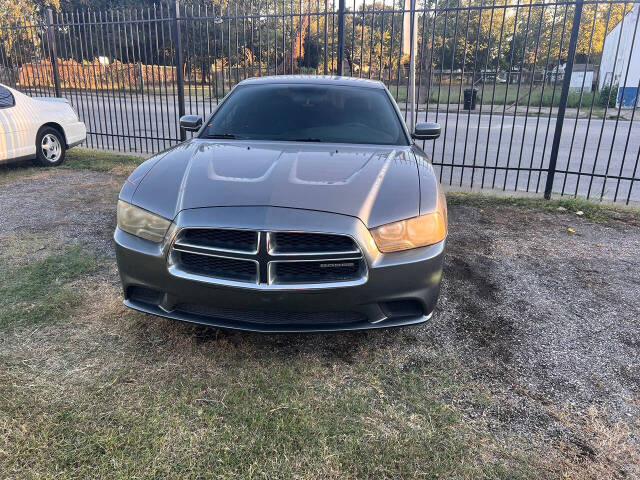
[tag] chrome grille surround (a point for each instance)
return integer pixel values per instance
(344, 261)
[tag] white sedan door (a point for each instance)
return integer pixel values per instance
(18, 120)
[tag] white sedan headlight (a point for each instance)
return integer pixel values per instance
(141, 223)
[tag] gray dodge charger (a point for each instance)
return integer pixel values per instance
(300, 204)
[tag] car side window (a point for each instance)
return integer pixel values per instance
(6, 98)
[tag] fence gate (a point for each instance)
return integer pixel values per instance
(551, 87)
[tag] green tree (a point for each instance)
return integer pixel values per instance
(19, 44)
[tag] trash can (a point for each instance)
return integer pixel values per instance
(470, 95)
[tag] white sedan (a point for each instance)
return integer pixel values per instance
(37, 128)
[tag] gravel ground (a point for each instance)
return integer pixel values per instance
(69, 206)
(545, 318)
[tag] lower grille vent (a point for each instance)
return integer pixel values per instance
(144, 295)
(273, 317)
(402, 308)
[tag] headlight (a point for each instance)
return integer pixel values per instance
(413, 232)
(141, 223)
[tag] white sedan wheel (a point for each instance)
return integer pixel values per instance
(51, 148)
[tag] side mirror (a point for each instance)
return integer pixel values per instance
(426, 131)
(191, 123)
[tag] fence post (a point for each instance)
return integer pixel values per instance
(179, 58)
(553, 160)
(53, 52)
(412, 66)
(340, 35)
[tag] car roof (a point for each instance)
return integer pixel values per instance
(314, 80)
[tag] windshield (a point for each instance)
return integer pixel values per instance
(308, 113)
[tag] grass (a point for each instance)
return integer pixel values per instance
(504, 95)
(550, 96)
(78, 159)
(81, 159)
(99, 392)
(254, 419)
(592, 210)
(41, 291)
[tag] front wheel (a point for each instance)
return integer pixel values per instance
(50, 147)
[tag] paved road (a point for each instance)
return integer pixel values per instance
(518, 143)
(513, 142)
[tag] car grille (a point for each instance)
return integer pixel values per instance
(296, 242)
(222, 239)
(267, 259)
(220, 267)
(314, 271)
(272, 317)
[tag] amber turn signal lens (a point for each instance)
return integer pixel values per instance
(411, 233)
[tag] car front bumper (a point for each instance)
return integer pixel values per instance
(75, 133)
(399, 289)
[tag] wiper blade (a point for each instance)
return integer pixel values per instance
(224, 135)
(306, 140)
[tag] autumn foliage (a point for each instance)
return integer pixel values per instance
(93, 75)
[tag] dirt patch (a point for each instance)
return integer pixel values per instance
(548, 319)
(67, 206)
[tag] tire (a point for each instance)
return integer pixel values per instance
(50, 147)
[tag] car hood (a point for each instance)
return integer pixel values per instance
(376, 184)
(51, 99)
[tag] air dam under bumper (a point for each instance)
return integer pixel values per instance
(400, 288)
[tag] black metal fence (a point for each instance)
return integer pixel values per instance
(555, 84)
